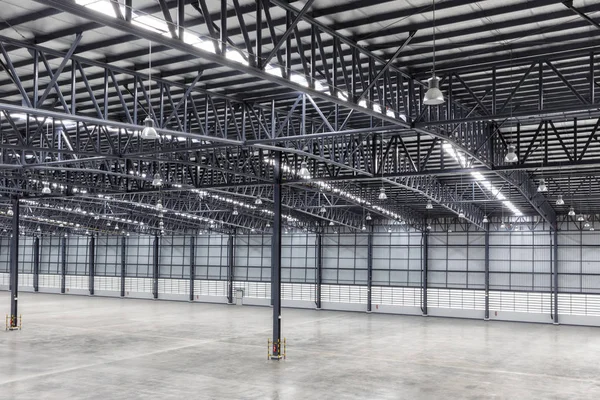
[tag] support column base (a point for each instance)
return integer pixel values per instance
(555, 323)
(424, 315)
(486, 319)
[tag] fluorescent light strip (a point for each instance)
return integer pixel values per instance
(160, 26)
(462, 161)
(340, 192)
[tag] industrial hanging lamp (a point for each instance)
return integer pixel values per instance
(542, 187)
(511, 155)
(560, 201)
(571, 211)
(149, 132)
(434, 95)
(157, 181)
(382, 195)
(429, 205)
(46, 188)
(304, 173)
(511, 152)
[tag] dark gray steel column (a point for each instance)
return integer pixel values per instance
(155, 268)
(63, 264)
(425, 240)
(319, 277)
(14, 264)
(36, 264)
(123, 264)
(192, 265)
(487, 273)
(555, 274)
(92, 263)
(276, 257)
(369, 267)
(230, 267)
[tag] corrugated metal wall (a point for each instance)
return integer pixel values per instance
(520, 269)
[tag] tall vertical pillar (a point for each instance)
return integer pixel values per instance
(155, 268)
(424, 272)
(555, 274)
(63, 264)
(36, 264)
(276, 258)
(92, 264)
(369, 267)
(123, 264)
(487, 273)
(14, 264)
(192, 265)
(319, 277)
(230, 267)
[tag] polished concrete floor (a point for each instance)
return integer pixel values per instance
(74, 347)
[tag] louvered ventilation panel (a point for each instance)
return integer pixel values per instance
(527, 302)
(298, 291)
(344, 294)
(77, 282)
(459, 299)
(210, 288)
(174, 286)
(396, 296)
(107, 283)
(25, 280)
(578, 304)
(138, 285)
(49, 281)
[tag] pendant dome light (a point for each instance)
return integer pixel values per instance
(46, 188)
(368, 217)
(485, 219)
(258, 201)
(511, 155)
(571, 211)
(542, 187)
(429, 205)
(322, 210)
(157, 180)
(434, 95)
(559, 200)
(149, 132)
(304, 173)
(235, 211)
(382, 195)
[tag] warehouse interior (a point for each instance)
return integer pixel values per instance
(311, 184)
